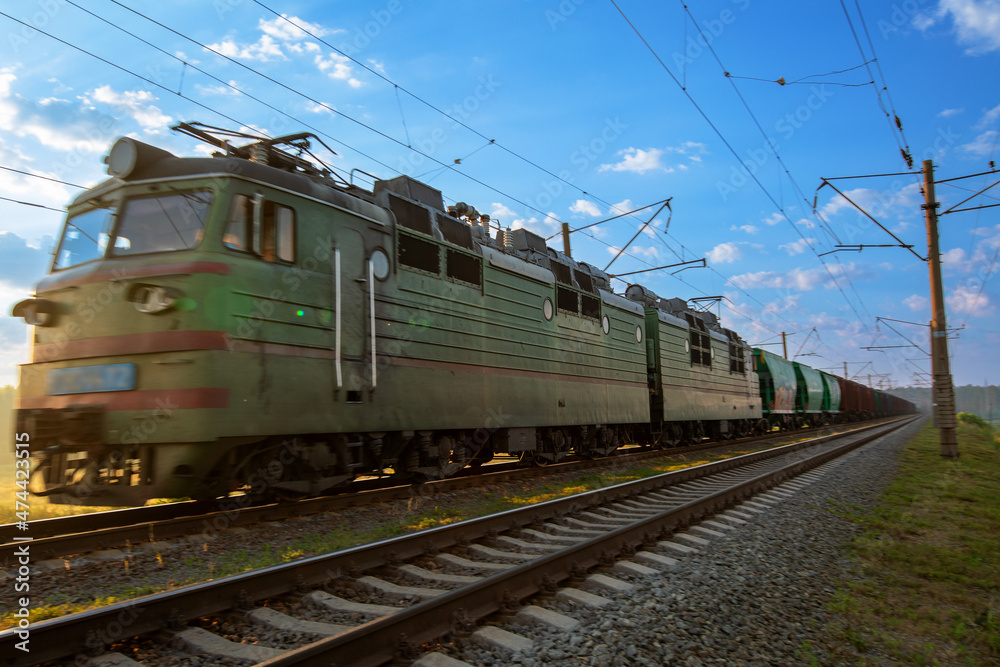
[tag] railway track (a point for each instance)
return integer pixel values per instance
(407, 597)
(63, 536)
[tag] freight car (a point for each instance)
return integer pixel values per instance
(251, 320)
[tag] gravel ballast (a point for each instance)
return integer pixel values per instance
(757, 597)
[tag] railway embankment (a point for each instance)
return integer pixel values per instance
(924, 588)
(887, 555)
(890, 558)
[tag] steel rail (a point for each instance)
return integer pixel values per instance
(397, 636)
(63, 536)
(90, 630)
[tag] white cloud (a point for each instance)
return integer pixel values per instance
(623, 206)
(652, 228)
(135, 103)
(989, 118)
(57, 124)
(953, 256)
(749, 229)
(649, 252)
(985, 142)
(970, 300)
(278, 38)
(585, 207)
(806, 222)
(724, 253)
(220, 89)
(803, 280)
(916, 302)
(283, 29)
(337, 67)
(773, 219)
(263, 50)
(506, 217)
(893, 201)
(320, 108)
(797, 247)
(36, 190)
(982, 144)
(946, 113)
(22, 265)
(977, 23)
(640, 161)
(502, 213)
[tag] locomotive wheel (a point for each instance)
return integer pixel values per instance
(552, 447)
(484, 455)
(606, 442)
(535, 458)
(695, 432)
(672, 435)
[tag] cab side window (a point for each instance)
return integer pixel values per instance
(275, 240)
(239, 224)
(277, 233)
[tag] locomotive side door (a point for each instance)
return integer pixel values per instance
(352, 317)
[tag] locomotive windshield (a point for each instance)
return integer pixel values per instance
(144, 225)
(161, 224)
(84, 238)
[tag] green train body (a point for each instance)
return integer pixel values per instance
(217, 322)
(246, 321)
(702, 379)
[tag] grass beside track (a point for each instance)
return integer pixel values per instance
(929, 586)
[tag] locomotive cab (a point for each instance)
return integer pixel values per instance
(109, 369)
(160, 273)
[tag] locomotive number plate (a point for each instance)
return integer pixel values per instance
(91, 379)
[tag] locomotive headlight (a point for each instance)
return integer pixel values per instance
(153, 299)
(36, 312)
(128, 156)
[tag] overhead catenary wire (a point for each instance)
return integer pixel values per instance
(208, 108)
(895, 124)
(339, 113)
(179, 93)
(383, 77)
(806, 80)
(731, 149)
(28, 203)
(44, 178)
(443, 165)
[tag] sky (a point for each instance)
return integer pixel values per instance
(541, 112)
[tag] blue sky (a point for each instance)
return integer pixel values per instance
(557, 111)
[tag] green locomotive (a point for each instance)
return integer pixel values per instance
(246, 319)
(251, 320)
